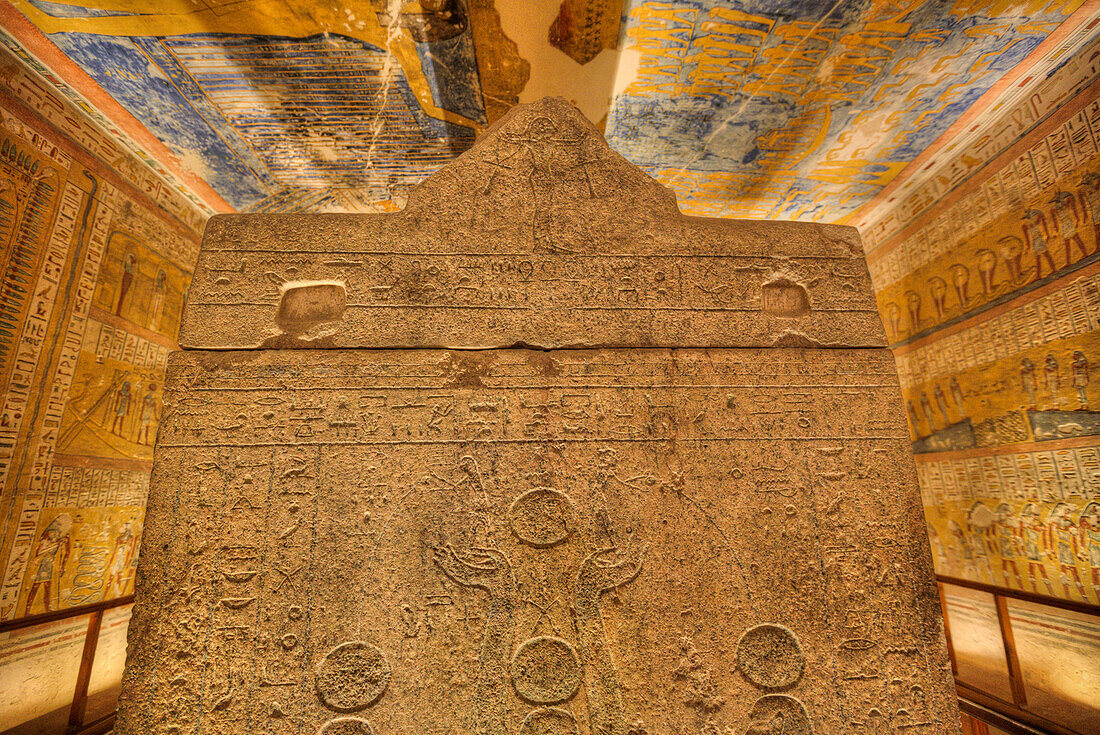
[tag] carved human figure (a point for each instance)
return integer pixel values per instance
(488, 570)
(600, 572)
(544, 152)
(893, 319)
(914, 418)
(1037, 235)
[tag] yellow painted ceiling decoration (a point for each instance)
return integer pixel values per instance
(776, 108)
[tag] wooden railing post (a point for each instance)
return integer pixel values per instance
(84, 676)
(1015, 673)
(947, 631)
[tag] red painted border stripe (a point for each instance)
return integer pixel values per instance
(68, 71)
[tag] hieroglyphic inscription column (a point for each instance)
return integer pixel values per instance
(536, 455)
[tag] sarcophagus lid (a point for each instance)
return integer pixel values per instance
(537, 454)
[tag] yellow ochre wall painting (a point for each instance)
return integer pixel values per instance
(98, 253)
(988, 281)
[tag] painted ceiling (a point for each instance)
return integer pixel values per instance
(799, 109)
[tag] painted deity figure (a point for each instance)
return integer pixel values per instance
(1008, 544)
(1089, 196)
(1027, 380)
(1067, 545)
(129, 264)
(1068, 222)
(914, 419)
(941, 403)
(1032, 531)
(926, 407)
(121, 406)
(973, 555)
(1037, 236)
(1080, 369)
(1090, 535)
(980, 525)
(147, 431)
(51, 555)
(156, 307)
(1053, 379)
(588, 664)
(118, 567)
(957, 396)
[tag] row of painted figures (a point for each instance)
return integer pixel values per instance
(1064, 223)
(1025, 543)
(926, 420)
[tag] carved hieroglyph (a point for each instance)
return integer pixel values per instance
(609, 541)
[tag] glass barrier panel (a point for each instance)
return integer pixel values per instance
(976, 636)
(110, 658)
(38, 670)
(1059, 653)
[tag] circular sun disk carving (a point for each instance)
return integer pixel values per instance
(770, 657)
(546, 670)
(352, 676)
(541, 517)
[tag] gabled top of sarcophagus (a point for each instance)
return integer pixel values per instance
(539, 235)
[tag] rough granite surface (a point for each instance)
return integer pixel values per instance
(706, 522)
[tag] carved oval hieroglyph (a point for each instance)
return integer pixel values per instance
(770, 657)
(775, 713)
(546, 670)
(549, 721)
(352, 676)
(542, 517)
(346, 726)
